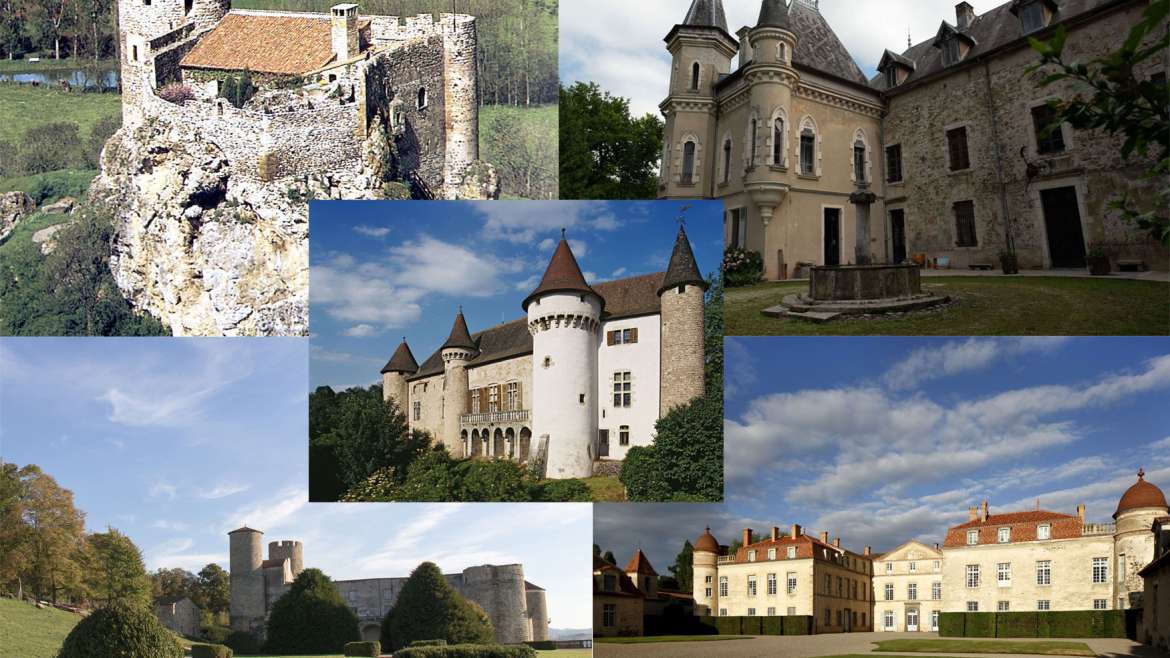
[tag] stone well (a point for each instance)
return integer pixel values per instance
(864, 283)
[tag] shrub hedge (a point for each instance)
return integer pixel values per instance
(1017, 624)
(757, 625)
(211, 651)
(728, 625)
(798, 625)
(1044, 623)
(467, 651)
(120, 630)
(429, 643)
(771, 625)
(542, 645)
(362, 649)
(243, 642)
(750, 626)
(950, 624)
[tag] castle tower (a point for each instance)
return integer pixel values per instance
(705, 576)
(564, 316)
(138, 24)
(701, 49)
(683, 360)
(461, 98)
(247, 579)
(394, 374)
(1133, 541)
(500, 591)
(537, 611)
(292, 551)
(456, 352)
(643, 574)
(343, 20)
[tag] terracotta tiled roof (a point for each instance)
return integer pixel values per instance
(402, 361)
(563, 275)
(460, 336)
(682, 269)
(640, 564)
(707, 542)
(1015, 517)
(279, 43)
(626, 587)
(1023, 528)
(1141, 494)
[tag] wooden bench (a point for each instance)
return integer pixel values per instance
(1132, 265)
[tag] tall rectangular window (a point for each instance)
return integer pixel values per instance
(609, 615)
(1049, 131)
(936, 591)
(624, 435)
(751, 585)
(965, 236)
(771, 554)
(808, 153)
(771, 584)
(859, 163)
(493, 399)
(790, 577)
(737, 225)
(888, 619)
(912, 591)
(1003, 574)
(889, 567)
(512, 395)
(791, 552)
(688, 171)
(1100, 570)
(1044, 572)
(957, 147)
(972, 575)
(889, 591)
(722, 585)
(417, 406)
(622, 389)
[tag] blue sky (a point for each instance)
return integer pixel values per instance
(882, 440)
(177, 441)
(381, 271)
(618, 44)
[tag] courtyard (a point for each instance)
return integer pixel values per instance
(1049, 303)
(850, 645)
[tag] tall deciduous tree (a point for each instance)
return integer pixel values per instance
(212, 589)
(56, 543)
(605, 153)
(428, 608)
(172, 582)
(684, 567)
(114, 571)
(311, 618)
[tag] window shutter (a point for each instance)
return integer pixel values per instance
(519, 396)
(634, 335)
(483, 400)
(609, 337)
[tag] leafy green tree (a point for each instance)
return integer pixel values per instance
(428, 608)
(120, 630)
(114, 571)
(604, 152)
(492, 481)
(172, 582)
(713, 331)
(311, 618)
(684, 567)
(54, 552)
(609, 557)
(369, 433)
(212, 589)
(685, 462)
(1118, 103)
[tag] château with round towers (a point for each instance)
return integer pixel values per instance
(577, 381)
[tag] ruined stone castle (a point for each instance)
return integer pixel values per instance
(944, 158)
(580, 380)
(518, 609)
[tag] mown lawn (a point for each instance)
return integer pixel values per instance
(29, 632)
(1040, 647)
(669, 638)
(606, 489)
(983, 306)
(25, 106)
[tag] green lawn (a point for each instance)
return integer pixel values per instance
(29, 632)
(56, 184)
(1043, 647)
(669, 638)
(25, 106)
(566, 653)
(19, 243)
(984, 306)
(606, 489)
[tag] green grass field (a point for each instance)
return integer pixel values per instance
(25, 106)
(985, 306)
(50, 64)
(1044, 647)
(19, 243)
(606, 489)
(669, 638)
(65, 182)
(28, 632)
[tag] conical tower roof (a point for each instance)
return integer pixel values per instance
(707, 543)
(774, 13)
(402, 361)
(706, 13)
(682, 269)
(640, 564)
(1141, 495)
(563, 275)
(460, 336)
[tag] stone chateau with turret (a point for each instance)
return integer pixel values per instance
(1008, 562)
(517, 608)
(942, 159)
(581, 379)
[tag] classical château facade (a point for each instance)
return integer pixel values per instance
(943, 158)
(582, 378)
(517, 608)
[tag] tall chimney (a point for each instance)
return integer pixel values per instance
(344, 30)
(964, 15)
(972, 513)
(796, 530)
(936, 546)
(868, 551)
(745, 46)
(984, 513)
(775, 533)
(1081, 512)
(747, 536)
(824, 537)
(837, 542)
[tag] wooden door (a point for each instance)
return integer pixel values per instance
(1062, 218)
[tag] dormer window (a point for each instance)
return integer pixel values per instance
(1032, 17)
(891, 77)
(950, 48)
(1005, 535)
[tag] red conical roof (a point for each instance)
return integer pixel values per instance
(707, 543)
(563, 275)
(640, 564)
(460, 336)
(402, 361)
(1141, 494)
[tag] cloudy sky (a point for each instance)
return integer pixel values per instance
(619, 44)
(883, 440)
(178, 441)
(379, 275)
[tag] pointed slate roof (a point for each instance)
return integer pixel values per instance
(402, 361)
(773, 13)
(245, 529)
(563, 275)
(460, 336)
(682, 269)
(706, 13)
(640, 564)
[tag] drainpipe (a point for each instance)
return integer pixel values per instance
(1009, 242)
(882, 164)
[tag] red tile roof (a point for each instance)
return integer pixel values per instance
(707, 543)
(563, 275)
(1015, 517)
(1141, 494)
(278, 43)
(640, 564)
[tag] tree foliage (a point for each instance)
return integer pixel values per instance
(683, 567)
(429, 608)
(172, 583)
(118, 631)
(1116, 102)
(114, 571)
(211, 590)
(42, 536)
(604, 152)
(311, 618)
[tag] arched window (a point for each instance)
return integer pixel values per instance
(860, 157)
(695, 77)
(726, 159)
(783, 54)
(688, 167)
(422, 97)
(778, 142)
(188, 5)
(808, 147)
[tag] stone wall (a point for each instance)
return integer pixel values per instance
(460, 99)
(682, 347)
(181, 617)
(428, 392)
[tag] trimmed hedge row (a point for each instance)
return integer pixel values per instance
(1045, 623)
(467, 651)
(772, 625)
(362, 649)
(211, 651)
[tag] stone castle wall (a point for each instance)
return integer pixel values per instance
(682, 347)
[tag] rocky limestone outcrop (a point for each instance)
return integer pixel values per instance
(14, 207)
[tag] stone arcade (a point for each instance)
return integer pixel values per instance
(517, 608)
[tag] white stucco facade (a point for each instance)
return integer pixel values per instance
(641, 360)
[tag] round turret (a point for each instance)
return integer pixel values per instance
(705, 574)
(500, 591)
(400, 366)
(682, 293)
(1142, 495)
(456, 353)
(537, 612)
(461, 99)
(707, 543)
(247, 582)
(1133, 542)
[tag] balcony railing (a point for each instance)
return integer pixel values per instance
(725, 559)
(495, 417)
(1099, 529)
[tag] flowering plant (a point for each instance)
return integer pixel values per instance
(742, 267)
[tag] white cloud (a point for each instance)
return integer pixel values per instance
(163, 489)
(372, 231)
(956, 357)
(522, 222)
(351, 296)
(223, 490)
(619, 272)
(1164, 444)
(361, 331)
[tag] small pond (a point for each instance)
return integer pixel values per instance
(76, 77)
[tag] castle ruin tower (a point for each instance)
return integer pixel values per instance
(343, 28)
(683, 361)
(701, 50)
(139, 23)
(247, 609)
(537, 611)
(704, 576)
(461, 99)
(293, 551)
(500, 591)
(1133, 541)
(394, 374)
(456, 352)
(564, 317)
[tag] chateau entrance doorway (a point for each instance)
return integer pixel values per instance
(898, 235)
(832, 235)
(912, 620)
(1062, 219)
(934, 620)
(602, 443)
